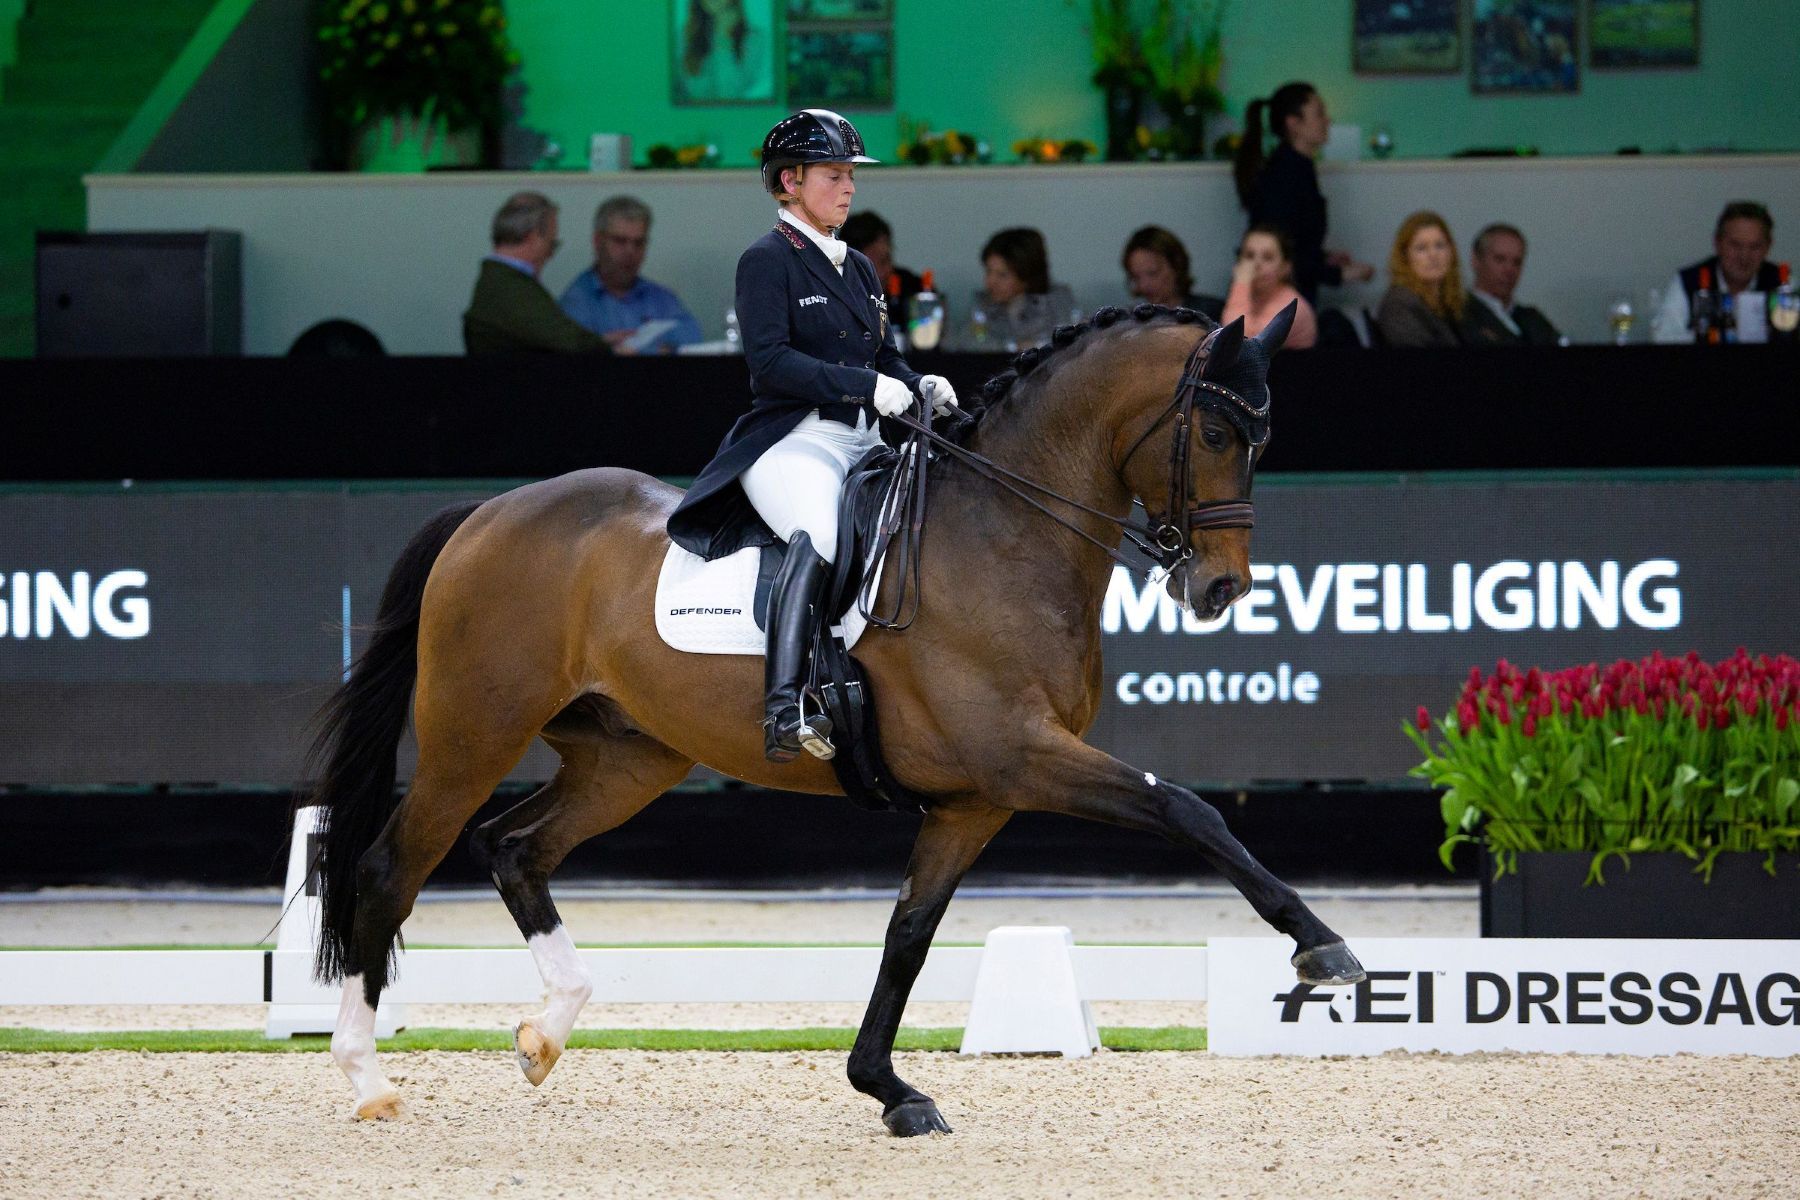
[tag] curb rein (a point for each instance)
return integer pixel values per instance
(1163, 541)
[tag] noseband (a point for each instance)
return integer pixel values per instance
(1173, 542)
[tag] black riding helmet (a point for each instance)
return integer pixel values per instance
(812, 135)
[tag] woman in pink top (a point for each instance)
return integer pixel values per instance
(1262, 284)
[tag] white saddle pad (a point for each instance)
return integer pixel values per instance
(709, 607)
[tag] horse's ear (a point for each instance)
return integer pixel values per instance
(1276, 331)
(1226, 344)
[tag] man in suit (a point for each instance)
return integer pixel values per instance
(511, 310)
(1491, 318)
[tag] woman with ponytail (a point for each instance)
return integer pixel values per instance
(1282, 189)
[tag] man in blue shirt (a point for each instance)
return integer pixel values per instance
(613, 300)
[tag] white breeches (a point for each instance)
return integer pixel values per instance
(795, 485)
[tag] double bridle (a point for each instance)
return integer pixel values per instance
(1162, 540)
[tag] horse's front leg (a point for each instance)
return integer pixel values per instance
(1062, 774)
(947, 846)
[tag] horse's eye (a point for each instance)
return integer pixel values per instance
(1213, 438)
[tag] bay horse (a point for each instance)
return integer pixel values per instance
(531, 615)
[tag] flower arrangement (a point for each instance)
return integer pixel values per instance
(1658, 755)
(419, 59)
(922, 147)
(664, 157)
(1049, 150)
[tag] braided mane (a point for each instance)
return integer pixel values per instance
(1013, 386)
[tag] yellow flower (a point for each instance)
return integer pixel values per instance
(419, 29)
(429, 51)
(379, 13)
(409, 7)
(447, 28)
(1050, 151)
(391, 41)
(687, 156)
(1143, 137)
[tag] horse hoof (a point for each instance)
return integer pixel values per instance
(385, 1107)
(914, 1118)
(1331, 965)
(535, 1052)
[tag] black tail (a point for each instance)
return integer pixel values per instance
(359, 733)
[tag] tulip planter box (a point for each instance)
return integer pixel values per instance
(1660, 896)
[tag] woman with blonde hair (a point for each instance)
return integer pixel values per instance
(1424, 304)
(1262, 284)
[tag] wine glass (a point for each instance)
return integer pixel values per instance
(1619, 315)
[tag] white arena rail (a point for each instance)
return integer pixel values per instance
(1028, 988)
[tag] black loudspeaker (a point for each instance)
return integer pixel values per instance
(140, 294)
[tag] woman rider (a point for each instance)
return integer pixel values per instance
(823, 364)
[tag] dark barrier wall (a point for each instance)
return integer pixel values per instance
(186, 634)
(1581, 408)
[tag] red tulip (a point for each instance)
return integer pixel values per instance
(1422, 719)
(1781, 719)
(1468, 716)
(1529, 725)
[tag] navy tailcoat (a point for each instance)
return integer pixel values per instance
(813, 339)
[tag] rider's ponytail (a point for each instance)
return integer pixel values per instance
(1287, 102)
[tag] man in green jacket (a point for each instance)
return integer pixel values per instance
(511, 310)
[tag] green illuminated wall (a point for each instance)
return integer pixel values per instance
(1009, 69)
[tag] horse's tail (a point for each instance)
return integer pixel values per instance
(359, 734)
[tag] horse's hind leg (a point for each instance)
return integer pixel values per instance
(600, 785)
(388, 878)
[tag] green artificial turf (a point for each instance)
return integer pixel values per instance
(43, 1041)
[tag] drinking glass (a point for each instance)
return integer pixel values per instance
(1619, 315)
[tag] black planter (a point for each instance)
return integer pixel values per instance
(1124, 111)
(1660, 896)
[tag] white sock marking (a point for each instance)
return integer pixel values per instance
(565, 979)
(353, 1043)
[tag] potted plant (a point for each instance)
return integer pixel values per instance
(1656, 798)
(411, 83)
(1183, 56)
(1120, 72)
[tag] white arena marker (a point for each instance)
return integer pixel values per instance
(1149, 779)
(298, 937)
(1026, 998)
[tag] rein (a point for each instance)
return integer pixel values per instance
(1164, 542)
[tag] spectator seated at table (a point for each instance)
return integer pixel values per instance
(1017, 305)
(1262, 284)
(511, 310)
(1158, 271)
(1742, 239)
(1424, 304)
(613, 300)
(874, 238)
(1491, 318)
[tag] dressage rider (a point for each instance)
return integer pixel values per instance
(823, 363)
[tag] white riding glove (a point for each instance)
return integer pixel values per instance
(937, 389)
(891, 396)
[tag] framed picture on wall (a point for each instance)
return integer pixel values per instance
(722, 51)
(1644, 33)
(1525, 46)
(1423, 37)
(840, 10)
(840, 68)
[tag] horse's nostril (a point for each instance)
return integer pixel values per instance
(1224, 589)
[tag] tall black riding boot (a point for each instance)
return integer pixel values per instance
(791, 621)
